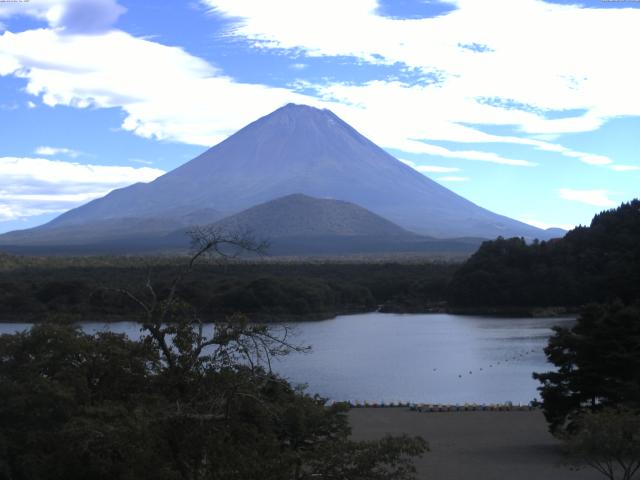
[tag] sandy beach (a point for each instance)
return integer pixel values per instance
(474, 445)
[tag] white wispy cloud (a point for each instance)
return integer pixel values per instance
(10, 106)
(474, 155)
(429, 168)
(598, 198)
(436, 150)
(50, 151)
(526, 72)
(175, 96)
(436, 169)
(624, 168)
(590, 159)
(34, 186)
(516, 80)
(453, 178)
(456, 90)
(424, 113)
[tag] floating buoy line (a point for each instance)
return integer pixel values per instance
(513, 358)
(432, 407)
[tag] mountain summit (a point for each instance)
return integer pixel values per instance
(295, 149)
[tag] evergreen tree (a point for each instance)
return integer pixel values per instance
(598, 365)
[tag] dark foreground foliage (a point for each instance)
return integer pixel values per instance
(598, 366)
(608, 441)
(78, 406)
(600, 263)
(188, 401)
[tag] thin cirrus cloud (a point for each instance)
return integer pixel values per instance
(474, 155)
(524, 74)
(435, 169)
(51, 151)
(625, 168)
(451, 94)
(517, 80)
(421, 113)
(35, 186)
(429, 168)
(598, 197)
(453, 178)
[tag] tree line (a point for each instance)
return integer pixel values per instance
(599, 263)
(34, 289)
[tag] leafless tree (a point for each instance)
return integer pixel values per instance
(179, 332)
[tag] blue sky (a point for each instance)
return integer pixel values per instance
(528, 108)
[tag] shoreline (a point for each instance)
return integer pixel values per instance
(507, 312)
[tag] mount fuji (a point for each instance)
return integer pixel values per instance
(296, 149)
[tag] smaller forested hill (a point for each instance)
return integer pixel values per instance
(590, 264)
(302, 215)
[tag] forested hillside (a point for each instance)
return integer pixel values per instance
(598, 263)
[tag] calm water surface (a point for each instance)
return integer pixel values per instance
(437, 358)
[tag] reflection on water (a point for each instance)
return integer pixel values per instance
(435, 358)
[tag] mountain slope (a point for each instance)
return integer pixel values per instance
(108, 230)
(301, 215)
(298, 224)
(296, 149)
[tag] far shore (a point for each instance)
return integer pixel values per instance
(480, 445)
(506, 312)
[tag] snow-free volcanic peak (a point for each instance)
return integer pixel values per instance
(295, 149)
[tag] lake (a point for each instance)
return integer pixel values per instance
(430, 358)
